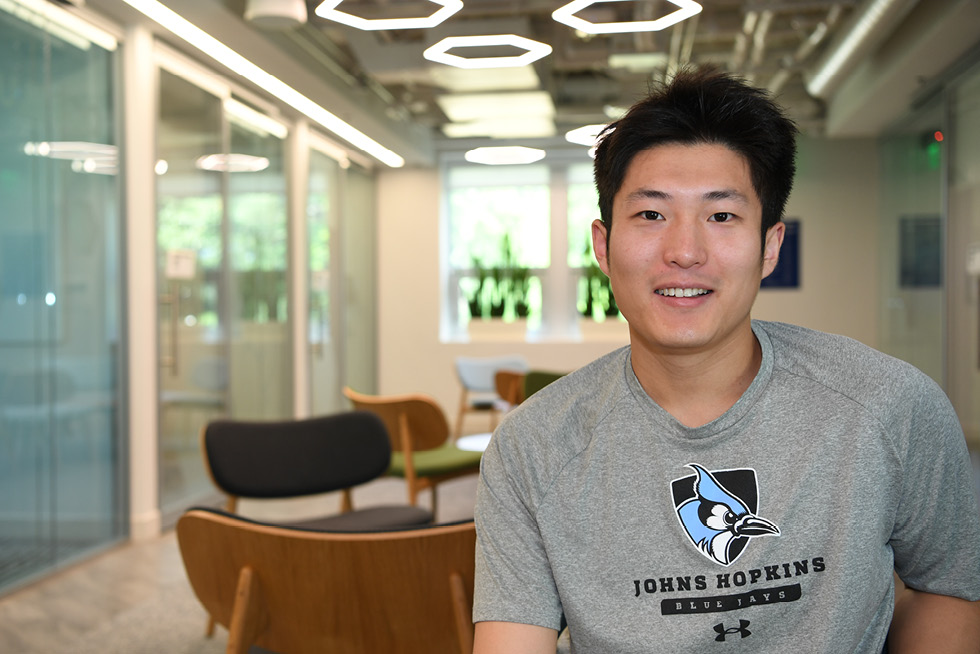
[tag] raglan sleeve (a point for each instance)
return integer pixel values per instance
(936, 538)
(514, 580)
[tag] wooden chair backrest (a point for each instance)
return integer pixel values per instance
(298, 591)
(510, 386)
(418, 416)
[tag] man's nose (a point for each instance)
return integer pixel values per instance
(684, 244)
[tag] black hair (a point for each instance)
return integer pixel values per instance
(704, 106)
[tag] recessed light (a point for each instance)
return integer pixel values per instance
(72, 150)
(504, 155)
(232, 163)
(585, 135)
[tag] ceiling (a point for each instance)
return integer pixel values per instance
(587, 78)
(380, 81)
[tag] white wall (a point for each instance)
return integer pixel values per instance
(835, 198)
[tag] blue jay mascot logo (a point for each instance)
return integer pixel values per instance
(718, 521)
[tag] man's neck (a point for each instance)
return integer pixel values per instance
(698, 387)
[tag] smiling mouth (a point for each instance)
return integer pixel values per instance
(682, 292)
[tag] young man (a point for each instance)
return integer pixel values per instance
(721, 484)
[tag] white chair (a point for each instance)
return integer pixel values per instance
(477, 376)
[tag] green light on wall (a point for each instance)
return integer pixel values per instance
(934, 155)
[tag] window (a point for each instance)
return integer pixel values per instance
(594, 297)
(519, 248)
(499, 236)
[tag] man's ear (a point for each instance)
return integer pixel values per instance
(771, 247)
(600, 244)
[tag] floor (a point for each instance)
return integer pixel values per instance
(135, 599)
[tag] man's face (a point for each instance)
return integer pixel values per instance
(684, 256)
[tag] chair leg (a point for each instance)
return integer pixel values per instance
(231, 506)
(432, 489)
(249, 617)
(413, 493)
(458, 430)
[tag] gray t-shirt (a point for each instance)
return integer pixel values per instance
(774, 528)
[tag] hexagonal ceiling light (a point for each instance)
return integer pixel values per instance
(328, 9)
(533, 50)
(566, 15)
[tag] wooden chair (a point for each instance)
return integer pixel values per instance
(296, 458)
(422, 452)
(478, 392)
(510, 388)
(313, 592)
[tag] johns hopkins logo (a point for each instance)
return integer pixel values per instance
(717, 510)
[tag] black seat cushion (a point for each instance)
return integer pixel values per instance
(376, 518)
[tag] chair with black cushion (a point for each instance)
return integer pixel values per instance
(478, 386)
(422, 451)
(311, 592)
(297, 458)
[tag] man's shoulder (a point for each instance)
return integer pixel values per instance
(559, 419)
(845, 365)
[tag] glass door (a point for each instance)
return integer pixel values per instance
(222, 271)
(260, 371)
(191, 246)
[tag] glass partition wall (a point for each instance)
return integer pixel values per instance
(963, 268)
(222, 271)
(61, 456)
(912, 225)
(930, 244)
(325, 329)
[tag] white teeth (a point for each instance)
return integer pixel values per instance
(682, 292)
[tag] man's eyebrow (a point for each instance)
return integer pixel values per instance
(647, 194)
(726, 194)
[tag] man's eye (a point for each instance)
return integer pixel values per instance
(651, 215)
(722, 217)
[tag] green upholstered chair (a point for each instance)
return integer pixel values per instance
(535, 380)
(422, 451)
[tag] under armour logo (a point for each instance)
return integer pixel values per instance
(741, 629)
